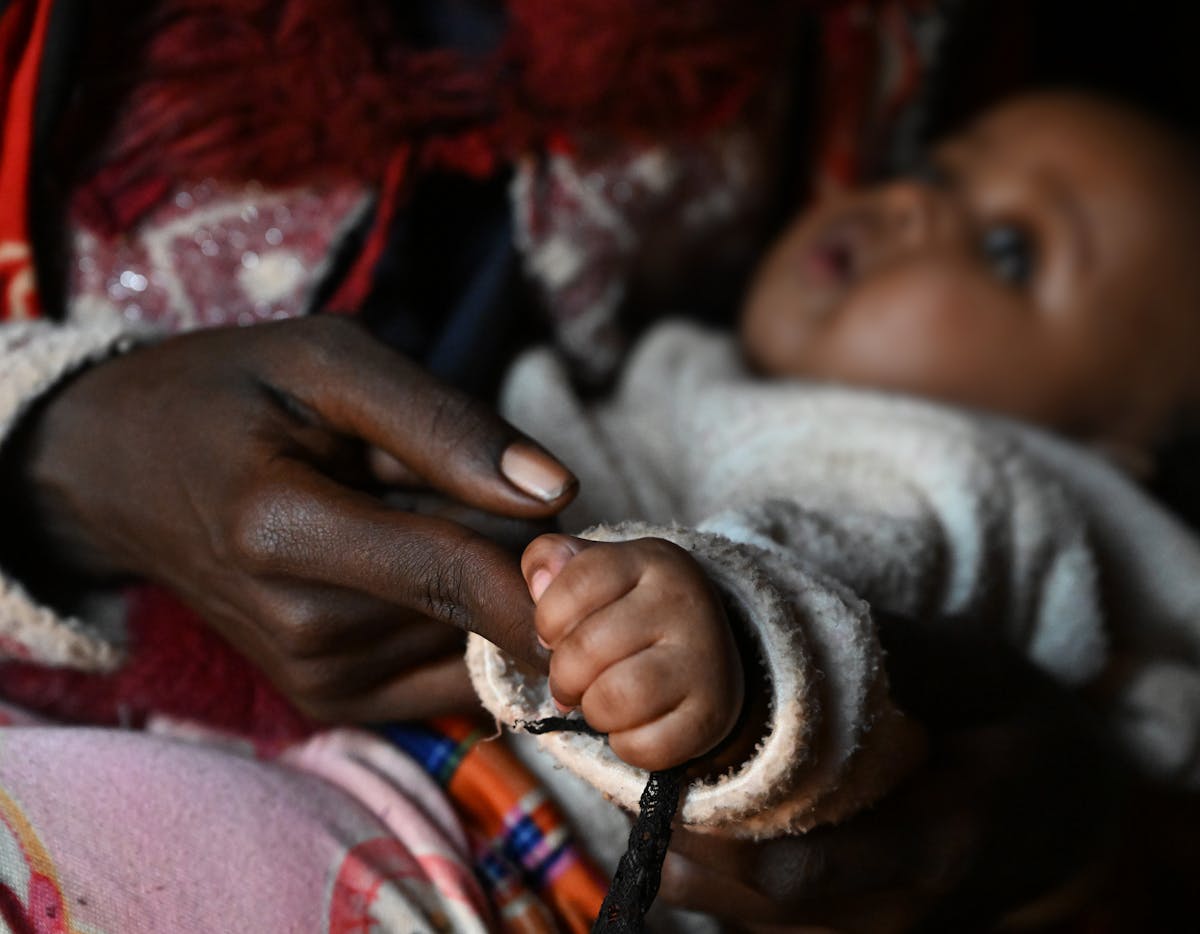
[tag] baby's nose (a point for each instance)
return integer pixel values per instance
(911, 211)
(917, 214)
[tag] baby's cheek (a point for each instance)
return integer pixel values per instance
(926, 330)
(776, 326)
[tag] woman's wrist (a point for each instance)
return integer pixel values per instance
(31, 548)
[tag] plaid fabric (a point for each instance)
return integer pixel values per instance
(536, 876)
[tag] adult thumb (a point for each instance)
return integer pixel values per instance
(421, 430)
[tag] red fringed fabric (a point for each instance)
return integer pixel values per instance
(283, 90)
(636, 67)
(288, 91)
(178, 667)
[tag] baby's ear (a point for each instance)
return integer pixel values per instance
(545, 557)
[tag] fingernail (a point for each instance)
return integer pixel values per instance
(534, 472)
(538, 583)
(543, 643)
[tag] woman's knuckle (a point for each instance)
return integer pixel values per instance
(303, 628)
(321, 344)
(442, 594)
(257, 532)
(455, 420)
(275, 527)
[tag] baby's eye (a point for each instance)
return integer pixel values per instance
(1009, 253)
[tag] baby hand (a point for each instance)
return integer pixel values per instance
(639, 641)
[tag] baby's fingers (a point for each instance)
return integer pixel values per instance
(611, 636)
(595, 576)
(545, 557)
(655, 713)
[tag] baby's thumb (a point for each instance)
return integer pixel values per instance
(545, 557)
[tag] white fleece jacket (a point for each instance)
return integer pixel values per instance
(810, 504)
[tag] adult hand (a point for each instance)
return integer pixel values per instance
(240, 467)
(1018, 794)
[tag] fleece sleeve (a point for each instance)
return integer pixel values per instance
(808, 504)
(34, 357)
(833, 742)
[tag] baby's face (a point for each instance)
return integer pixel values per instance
(1044, 264)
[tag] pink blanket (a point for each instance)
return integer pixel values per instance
(343, 828)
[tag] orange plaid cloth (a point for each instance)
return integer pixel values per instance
(536, 876)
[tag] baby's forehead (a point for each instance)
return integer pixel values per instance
(1109, 156)
(1074, 127)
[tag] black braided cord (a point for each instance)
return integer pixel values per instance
(638, 873)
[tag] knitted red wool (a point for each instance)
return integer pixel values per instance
(637, 67)
(177, 667)
(286, 91)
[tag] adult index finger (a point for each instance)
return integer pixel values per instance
(305, 526)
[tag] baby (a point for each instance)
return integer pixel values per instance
(1041, 266)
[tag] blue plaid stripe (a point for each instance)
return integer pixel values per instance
(500, 863)
(438, 755)
(527, 845)
(520, 858)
